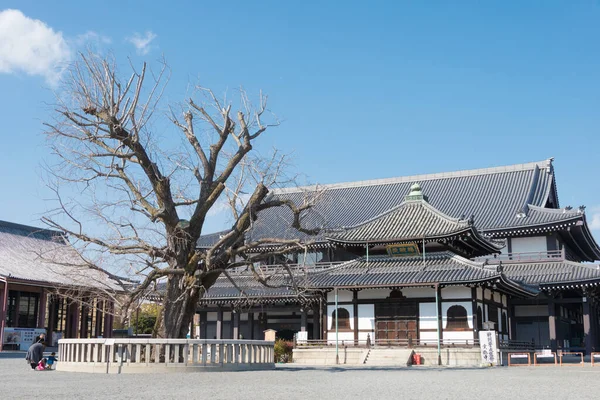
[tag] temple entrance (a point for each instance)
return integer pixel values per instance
(396, 322)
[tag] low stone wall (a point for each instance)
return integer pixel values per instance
(163, 355)
(326, 356)
(453, 357)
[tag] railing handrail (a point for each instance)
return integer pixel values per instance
(128, 355)
(502, 344)
(524, 256)
(165, 341)
(293, 267)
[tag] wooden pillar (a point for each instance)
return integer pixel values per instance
(235, 314)
(41, 322)
(323, 316)
(51, 319)
(111, 319)
(108, 319)
(99, 317)
(316, 324)
(203, 325)
(303, 318)
(474, 312)
(3, 308)
(483, 308)
(552, 323)
(251, 324)
(85, 310)
(587, 331)
(220, 324)
(355, 309)
(512, 322)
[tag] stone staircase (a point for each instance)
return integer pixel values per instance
(389, 356)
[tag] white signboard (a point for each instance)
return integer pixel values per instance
(488, 342)
(21, 336)
(302, 337)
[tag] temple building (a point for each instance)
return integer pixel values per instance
(413, 260)
(44, 288)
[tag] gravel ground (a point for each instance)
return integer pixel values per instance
(18, 381)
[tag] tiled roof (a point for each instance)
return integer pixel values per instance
(210, 239)
(443, 268)
(494, 196)
(535, 216)
(409, 220)
(25, 253)
(224, 288)
(552, 272)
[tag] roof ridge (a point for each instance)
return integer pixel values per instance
(32, 230)
(574, 211)
(416, 178)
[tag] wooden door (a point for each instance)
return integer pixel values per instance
(396, 322)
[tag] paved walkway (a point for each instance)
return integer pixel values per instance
(18, 381)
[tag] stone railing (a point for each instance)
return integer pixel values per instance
(159, 355)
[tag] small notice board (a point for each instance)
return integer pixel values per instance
(488, 342)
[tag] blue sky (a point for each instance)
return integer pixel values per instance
(366, 89)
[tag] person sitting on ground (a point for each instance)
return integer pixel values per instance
(51, 360)
(41, 365)
(35, 354)
(41, 338)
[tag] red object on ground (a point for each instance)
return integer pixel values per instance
(416, 359)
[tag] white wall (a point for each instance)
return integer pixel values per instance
(427, 316)
(409, 293)
(373, 294)
(456, 292)
(345, 336)
(497, 297)
(343, 296)
(366, 316)
(528, 244)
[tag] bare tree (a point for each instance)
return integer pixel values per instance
(146, 195)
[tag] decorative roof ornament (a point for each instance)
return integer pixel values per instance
(522, 213)
(415, 193)
(581, 210)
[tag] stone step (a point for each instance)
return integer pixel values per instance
(389, 357)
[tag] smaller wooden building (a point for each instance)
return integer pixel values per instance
(44, 286)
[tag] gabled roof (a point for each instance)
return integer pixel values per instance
(415, 221)
(494, 196)
(411, 220)
(505, 201)
(553, 273)
(39, 255)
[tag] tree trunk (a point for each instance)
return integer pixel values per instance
(180, 302)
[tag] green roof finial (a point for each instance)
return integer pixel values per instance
(415, 193)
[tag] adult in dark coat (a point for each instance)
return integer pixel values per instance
(35, 354)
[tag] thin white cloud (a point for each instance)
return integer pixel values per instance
(31, 46)
(594, 221)
(91, 37)
(142, 42)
